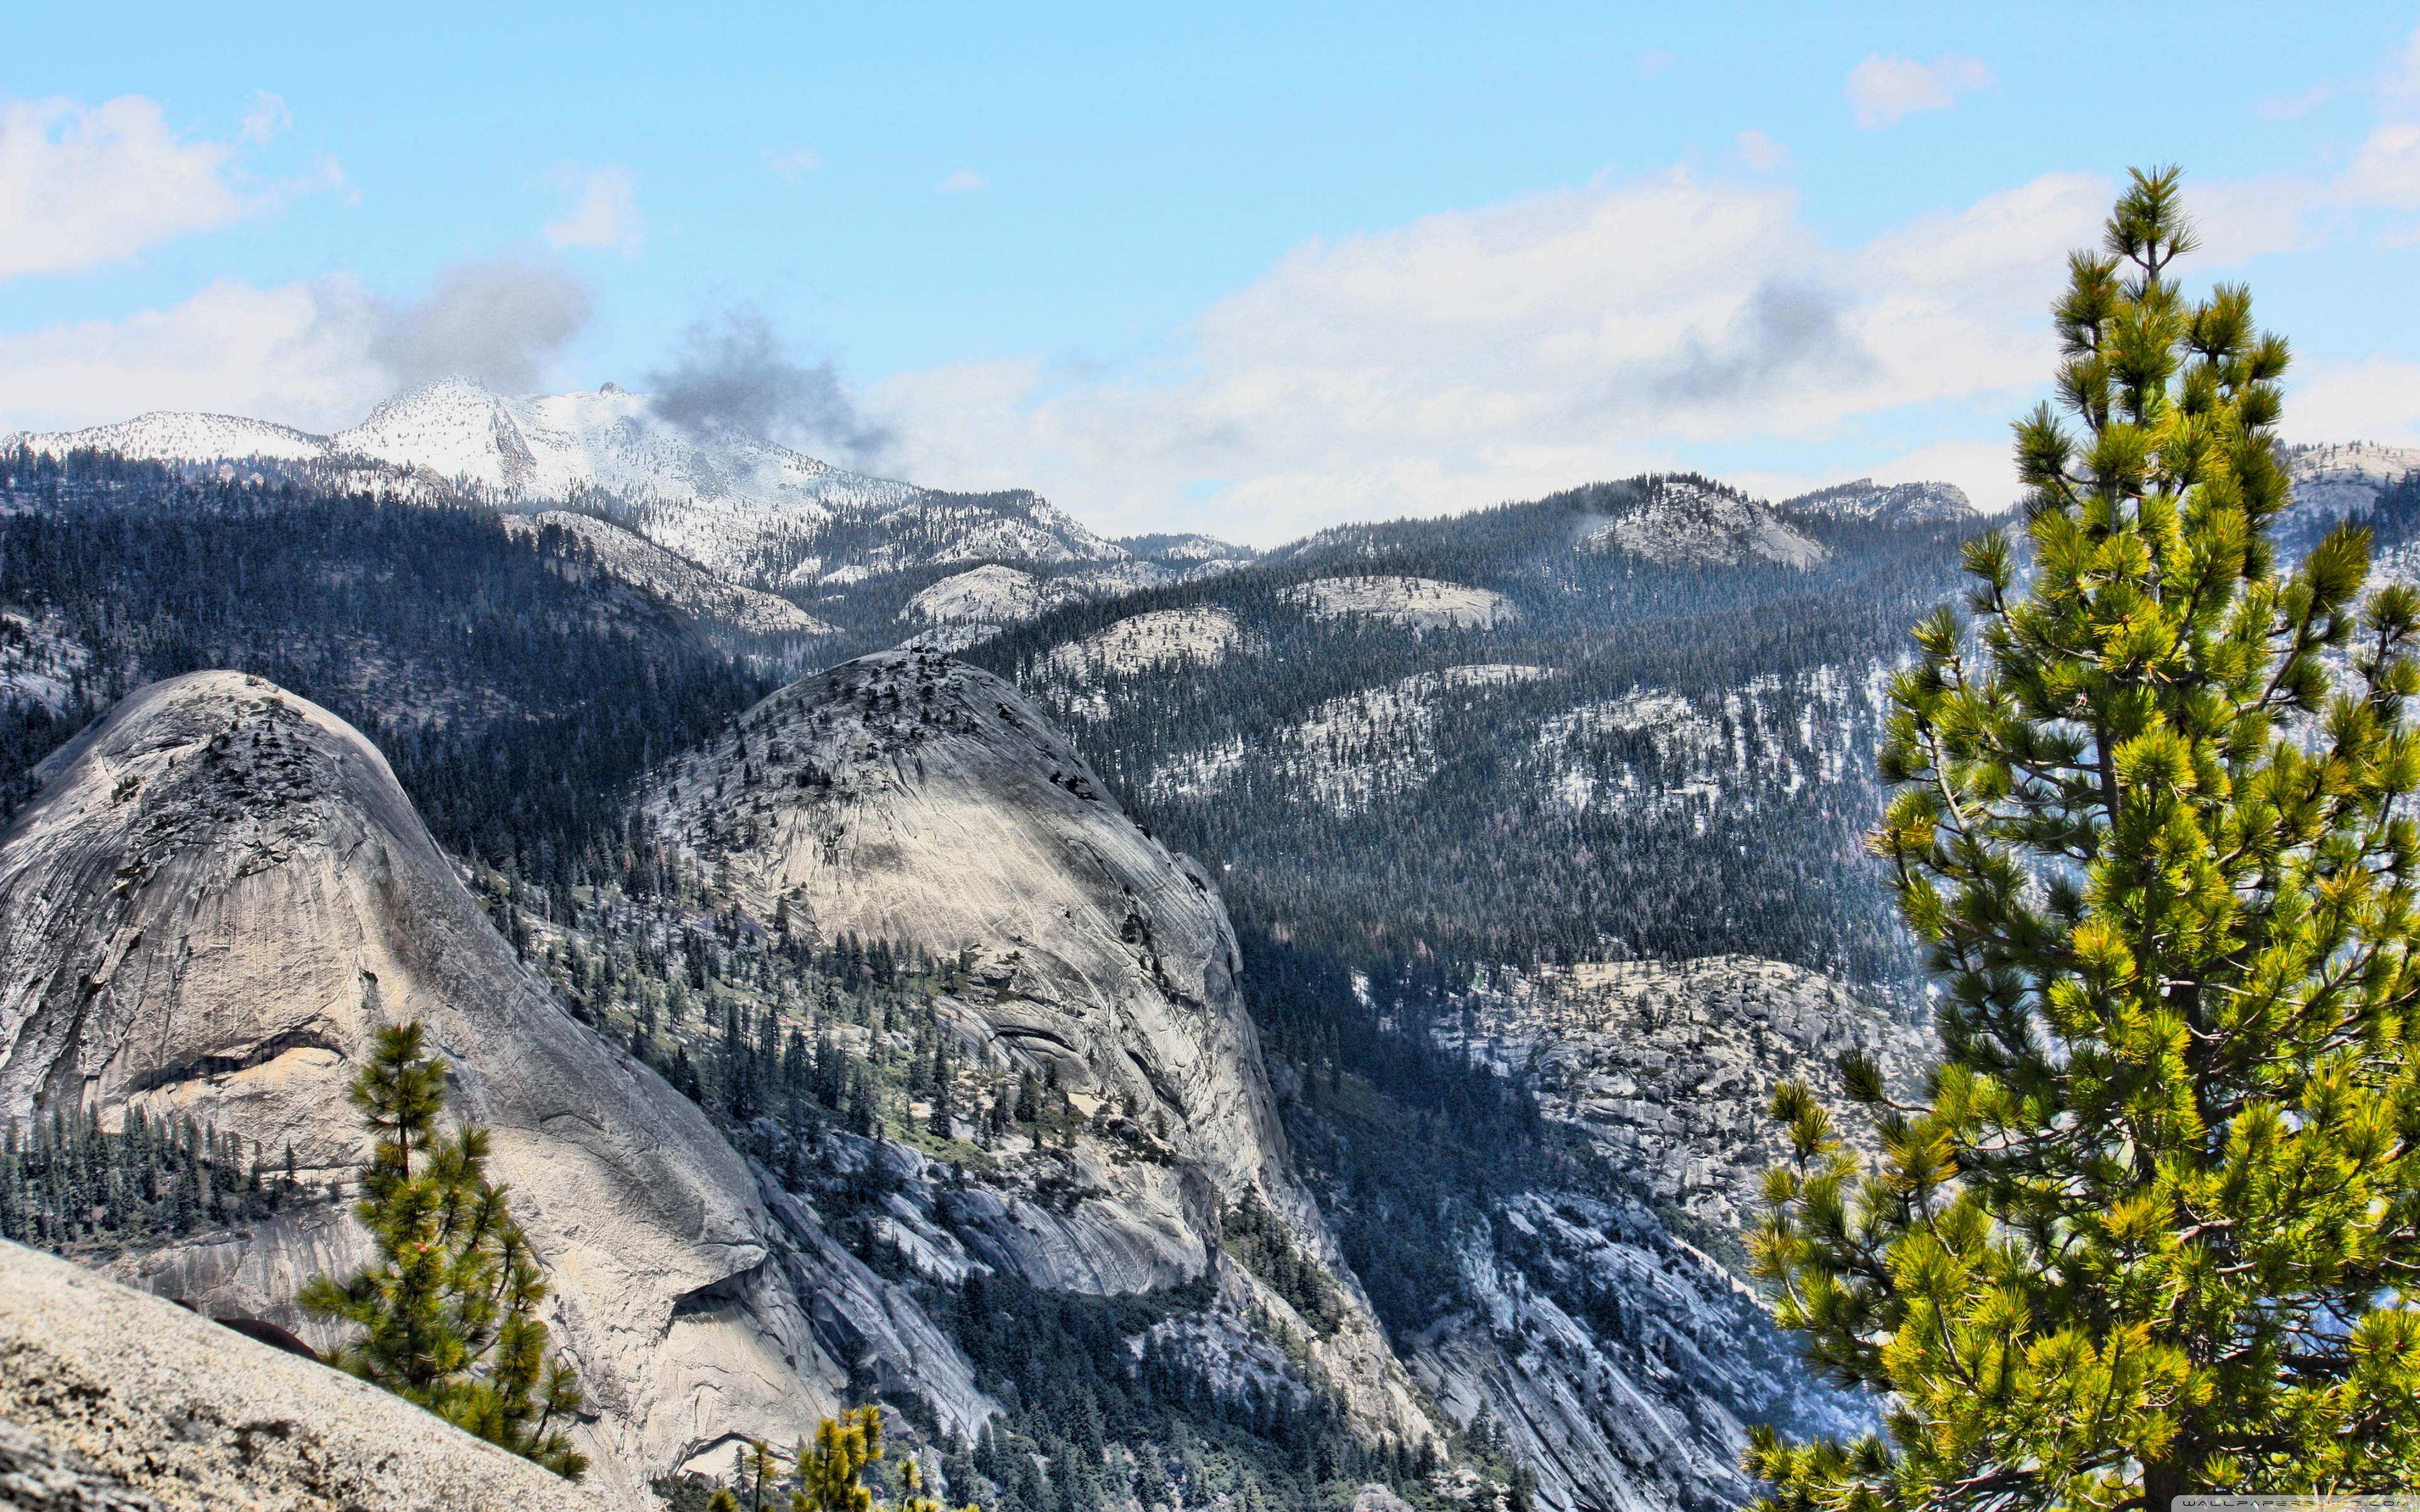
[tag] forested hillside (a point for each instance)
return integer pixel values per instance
(515, 687)
(1607, 754)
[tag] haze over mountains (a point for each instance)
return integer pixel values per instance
(1184, 1025)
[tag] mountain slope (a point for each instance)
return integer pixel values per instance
(710, 603)
(172, 435)
(1673, 520)
(2340, 480)
(910, 798)
(214, 834)
(1668, 756)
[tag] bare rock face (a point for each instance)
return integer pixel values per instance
(115, 1401)
(1624, 1368)
(1624, 1363)
(910, 798)
(1670, 1066)
(1689, 521)
(219, 896)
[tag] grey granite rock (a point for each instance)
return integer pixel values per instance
(909, 797)
(1670, 1066)
(113, 1400)
(219, 895)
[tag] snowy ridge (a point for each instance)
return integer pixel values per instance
(740, 507)
(1188, 547)
(167, 436)
(681, 585)
(1898, 503)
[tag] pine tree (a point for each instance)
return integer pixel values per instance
(2153, 1228)
(831, 1470)
(448, 1316)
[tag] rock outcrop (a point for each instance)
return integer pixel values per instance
(1624, 1366)
(1624, 1363)
(1886, 504)
(908, 798)
(220, 893)
(1687, 520)
(1670, 1066)
(115, 1401)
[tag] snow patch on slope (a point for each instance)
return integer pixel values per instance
(1420, 603)
(1201, 636)
(38, 662)
(679, 584)
(1350, 750)
(1652, 751)
(993, 595)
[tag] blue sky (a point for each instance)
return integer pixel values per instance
(1246, 270)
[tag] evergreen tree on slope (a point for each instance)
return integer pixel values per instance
(2155, 1227)
(448, 1316)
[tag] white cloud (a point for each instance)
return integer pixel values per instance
(87, 184)
(790, 163)
(316, 354)
(606, 215)
(2244, 218)
(297, 354)
(960, 182)
(2290, 107)
(1886, 89)
(2385, 169)
(1762, 152)
(2375, 400)
(266, 117)
(1504, 352)
(1654, 62)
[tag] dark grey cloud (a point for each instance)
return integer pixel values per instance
(1790, 329)
(732, 371)
(500, 322)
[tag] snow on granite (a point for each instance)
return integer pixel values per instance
(1418, 602)
(1201, 636)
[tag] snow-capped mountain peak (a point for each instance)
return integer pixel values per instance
(741, 506)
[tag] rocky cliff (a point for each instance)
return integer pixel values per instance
(1625, 1362)
(1670, 1066)
(910, 798)
(218, 896)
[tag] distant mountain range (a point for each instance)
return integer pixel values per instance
(759, 513)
